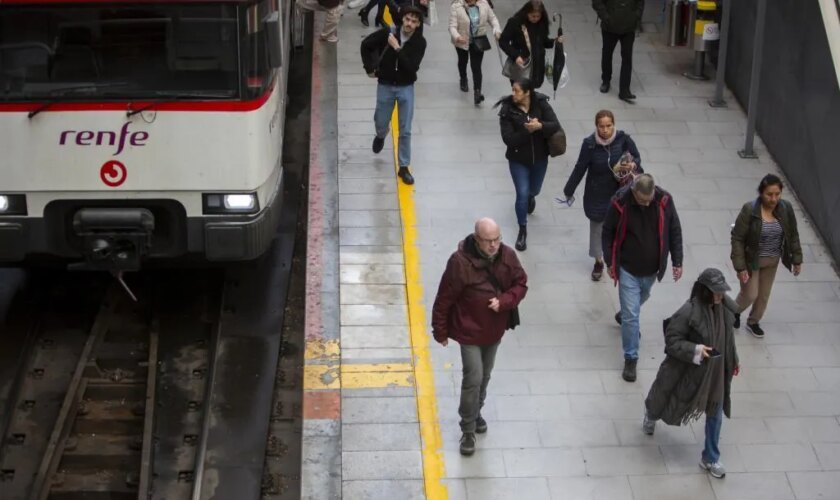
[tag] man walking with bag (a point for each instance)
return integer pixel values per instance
(393, 56)
(476, 302)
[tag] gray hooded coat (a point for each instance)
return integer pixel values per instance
(679, 378)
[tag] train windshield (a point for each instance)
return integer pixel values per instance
(131, 51)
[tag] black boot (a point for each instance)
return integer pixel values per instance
(521, 243)
(465, 86)
(477, 97)
(363, 14)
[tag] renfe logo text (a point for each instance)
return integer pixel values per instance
(104, 138)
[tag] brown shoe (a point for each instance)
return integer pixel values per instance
(597, 271)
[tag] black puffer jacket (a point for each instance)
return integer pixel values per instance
(679, 378)
(391, 66)
(512, 42)
(523, 146)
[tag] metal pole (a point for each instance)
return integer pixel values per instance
(758, 51)
(717, 101)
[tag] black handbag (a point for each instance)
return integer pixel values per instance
(513, 314)
(481, 42)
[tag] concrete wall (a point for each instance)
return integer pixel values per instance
(799, 101)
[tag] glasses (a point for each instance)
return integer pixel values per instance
(494, 241)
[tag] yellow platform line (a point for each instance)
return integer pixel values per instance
(358, 376)
(432, 442)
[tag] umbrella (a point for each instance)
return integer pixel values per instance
(559, 55)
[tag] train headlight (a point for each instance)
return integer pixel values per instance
(12, 204)
(231, 203)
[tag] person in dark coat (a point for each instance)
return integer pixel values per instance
(600, 155)
(640, 229)
(526, 36)
(764, 234)
(481, 286)
(527, 121)
(701, 358)
(619, 21)
(393, 55)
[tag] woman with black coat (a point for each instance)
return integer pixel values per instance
(600, 160)
(526, 36)
(701, 358)
(526, 121)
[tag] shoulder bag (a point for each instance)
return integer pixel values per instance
(513, 314)
(514, 71)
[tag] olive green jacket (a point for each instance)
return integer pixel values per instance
(747, 233)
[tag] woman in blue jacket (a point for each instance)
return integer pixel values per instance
(601, 160)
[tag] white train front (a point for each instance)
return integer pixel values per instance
(135, 131)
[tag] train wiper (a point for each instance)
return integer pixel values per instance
(63, 91)
(164, 97)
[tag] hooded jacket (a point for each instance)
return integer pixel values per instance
(670, 231)
(523, 146)
(596, 161)
(679, 378)
(461, 311)
(393, 67)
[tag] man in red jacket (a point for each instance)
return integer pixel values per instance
(476, 302)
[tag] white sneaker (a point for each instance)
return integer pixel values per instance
(355, 4)
(715, 469)
(331, 38)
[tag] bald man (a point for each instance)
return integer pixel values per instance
(476, 303)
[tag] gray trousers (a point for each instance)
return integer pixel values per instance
(477, 362)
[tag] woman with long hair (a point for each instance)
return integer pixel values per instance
(695, 378)
(526, 38)
(607, 157)
(764, 234)
(526, 121)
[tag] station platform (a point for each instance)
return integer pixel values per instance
(381, 397)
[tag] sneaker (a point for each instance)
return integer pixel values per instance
(355, 4)
(756, 330)
(648, 425)
(405, 175)
(737, 323)
(378, 144)
(468, 444)
(715, 469)
(605, 87)
(597, 272)
(330, 39)
(532, 204)
(480, 425)
(618, 317)
(629, 372)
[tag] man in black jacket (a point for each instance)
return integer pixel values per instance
(393, 55)
(640, 228)
(619, 20)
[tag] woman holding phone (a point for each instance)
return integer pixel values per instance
(696, 376)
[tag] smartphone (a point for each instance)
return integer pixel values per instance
(714, 353)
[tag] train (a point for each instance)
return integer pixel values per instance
(141, 131)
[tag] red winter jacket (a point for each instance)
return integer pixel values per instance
(461, 309)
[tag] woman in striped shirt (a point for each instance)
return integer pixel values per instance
(765, 233)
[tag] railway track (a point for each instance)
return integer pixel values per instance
(110, 403)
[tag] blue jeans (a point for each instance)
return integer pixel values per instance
(528, 181)
(386, 96)
(711, 453)
(633, 291)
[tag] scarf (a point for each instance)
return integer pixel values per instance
(605, 142)
(710, 394)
